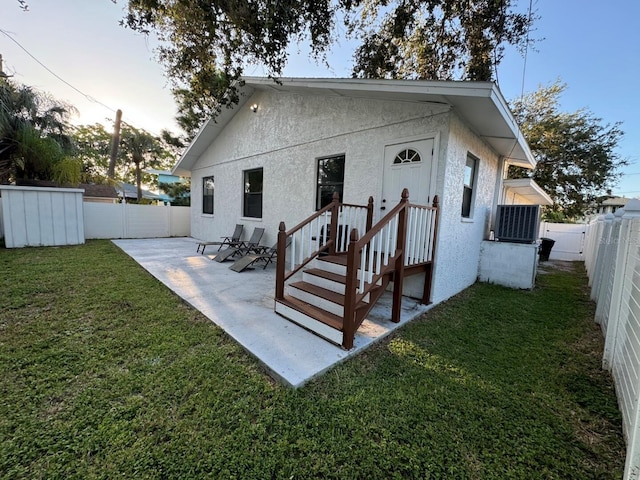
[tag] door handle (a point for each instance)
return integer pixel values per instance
(383, 208)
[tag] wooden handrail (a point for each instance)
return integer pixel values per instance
(330, 237)
(396, 262)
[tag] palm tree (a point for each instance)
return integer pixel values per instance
(141, 148)
(33, 133)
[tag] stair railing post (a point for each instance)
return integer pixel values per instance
(281, 260)
(398, 276)
(369, 214)
(333, 229)
(428, 278)
(348, 320)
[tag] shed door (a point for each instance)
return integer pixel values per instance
(407, 165)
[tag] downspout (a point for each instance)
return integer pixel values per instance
(498, 193)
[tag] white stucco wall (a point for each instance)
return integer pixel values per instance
(458, 249)
(285, 137)
(509, 264)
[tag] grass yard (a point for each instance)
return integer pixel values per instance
(105, 373)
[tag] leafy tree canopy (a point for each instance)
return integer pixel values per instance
(179, 192)
(577, 162)
(205, 46)
(138, 150)
(34, 135)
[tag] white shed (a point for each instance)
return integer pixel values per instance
(42, 216)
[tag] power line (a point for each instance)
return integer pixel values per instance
(526, 51)
(85, 95)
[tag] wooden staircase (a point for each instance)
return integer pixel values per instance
(330, 277)
(317, 302)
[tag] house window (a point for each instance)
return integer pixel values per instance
(330, 179)
(207, 195)
(408, 155)
(252, 206)
(470, 170)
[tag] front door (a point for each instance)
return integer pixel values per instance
(408, 165)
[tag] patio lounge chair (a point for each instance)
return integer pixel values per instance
(262, 254)
(241, 248)
(233, 239)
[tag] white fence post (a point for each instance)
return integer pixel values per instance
(600, 259)
(608, 272)
(615, 302)
(595, 233)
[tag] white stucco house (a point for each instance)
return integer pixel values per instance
(281, 152)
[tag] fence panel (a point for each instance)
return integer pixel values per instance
(569, 238)
(613, 265)
(104, 220)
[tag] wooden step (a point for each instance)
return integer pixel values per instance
(317, 296)
(332, 263)
(316, 320)
(329, 280)
(334, 277)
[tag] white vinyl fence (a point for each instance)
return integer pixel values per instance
(107, 220)
(612, 259)
(126, 220)
(569, 240)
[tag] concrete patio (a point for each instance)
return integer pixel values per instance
(242, 305)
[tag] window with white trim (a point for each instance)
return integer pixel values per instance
(470, 174)
(252, 204)
(330, 179)
(208, 188)
(408, 155)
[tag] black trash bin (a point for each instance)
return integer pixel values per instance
(545, 248)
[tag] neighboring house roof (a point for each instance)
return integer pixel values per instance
(479, 104)
(98, 191)
(615, 201)
(529, 189)
(131, 191)
(153, 171)
(90, 189)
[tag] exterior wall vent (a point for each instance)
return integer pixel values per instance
(517, 223)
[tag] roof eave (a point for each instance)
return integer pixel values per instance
(509, 142)
(528, 188)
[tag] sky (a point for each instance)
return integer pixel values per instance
(99, 66)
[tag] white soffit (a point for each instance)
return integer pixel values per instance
(529, 189)
(479, 104)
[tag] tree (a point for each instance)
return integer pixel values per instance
(34, 135)
(575, 152)
(142, 150)
(93, 144)
(180, 192)
(138, 149)
(206, 45)
(436, 39)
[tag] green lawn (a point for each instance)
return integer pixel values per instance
(104, 373)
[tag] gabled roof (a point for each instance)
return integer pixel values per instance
(479, 104)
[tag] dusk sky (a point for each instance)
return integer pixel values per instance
(591, 46)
